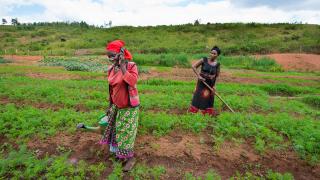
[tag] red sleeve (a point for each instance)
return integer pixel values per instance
(131, 76)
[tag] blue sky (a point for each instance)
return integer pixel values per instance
(159, 12)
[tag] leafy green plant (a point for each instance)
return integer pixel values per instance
(249, 62)
(210, 175)
(73, 64)
(312, 100)
(117, 172)
(22, 164)
(286, 90)
(270, 175)
(141, 171)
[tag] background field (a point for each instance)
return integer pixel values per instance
(233, 38)
(274, 133)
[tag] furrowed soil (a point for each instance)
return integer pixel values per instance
(180, 152)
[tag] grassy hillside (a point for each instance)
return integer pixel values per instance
(234, 39)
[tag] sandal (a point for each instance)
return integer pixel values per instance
(129, 164)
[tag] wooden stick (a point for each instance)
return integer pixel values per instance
(218, 96)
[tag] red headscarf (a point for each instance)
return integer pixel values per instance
(116, 46)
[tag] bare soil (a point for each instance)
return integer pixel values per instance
(40, 105)
(26, 60)
(181, 152)
(299, 62)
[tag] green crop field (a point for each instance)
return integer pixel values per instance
(282, 116)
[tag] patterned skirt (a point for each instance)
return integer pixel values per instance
(121, 131)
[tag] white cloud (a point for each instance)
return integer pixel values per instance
(157, 12)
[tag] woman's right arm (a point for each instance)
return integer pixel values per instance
(195, 67)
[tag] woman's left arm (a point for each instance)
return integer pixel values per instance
(218, 70)
(130, 75)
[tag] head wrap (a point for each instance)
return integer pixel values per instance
(216, 49)
(116, 47)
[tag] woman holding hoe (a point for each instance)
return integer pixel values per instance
(119, 125)
(203, 97)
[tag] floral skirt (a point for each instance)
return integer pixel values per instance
(121, 131)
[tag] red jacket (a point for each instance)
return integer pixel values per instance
(123, 90)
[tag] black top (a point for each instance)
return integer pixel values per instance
(208, 69)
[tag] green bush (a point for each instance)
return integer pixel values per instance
(162, 59)
(248, 62)
(312, 101)
(286, 90)
(141, 171)
(74, 64)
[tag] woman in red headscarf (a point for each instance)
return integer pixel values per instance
(122, 126)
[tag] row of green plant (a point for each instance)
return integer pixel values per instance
(212, 175)
(140, 171)
(74, 64)
(23, 164)
(269, 131)
(26, 122)
(250, 62)
(233, 38)
(22, 122)
(167, 59)
(96, 63)
(160, 94)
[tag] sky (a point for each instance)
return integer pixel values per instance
(161, 12)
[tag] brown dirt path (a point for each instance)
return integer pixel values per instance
(299, 62)
(24, 60)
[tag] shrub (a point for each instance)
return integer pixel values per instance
(248, 62)
(312, 101)
(285, 90)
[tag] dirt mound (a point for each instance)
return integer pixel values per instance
(299, 62)
(179, 153)
(82, 146)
